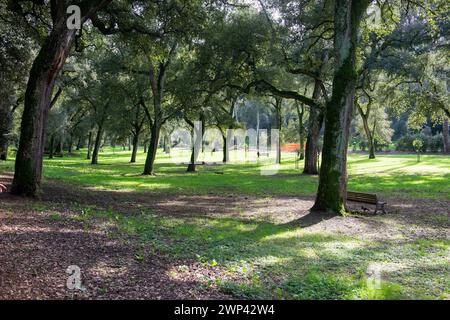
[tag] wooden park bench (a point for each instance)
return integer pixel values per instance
(369, 198)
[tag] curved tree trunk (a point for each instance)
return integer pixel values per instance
(45, 69)
(332, 191)
(370, 139)
(369, 134)
(224, 148)
(46, 66)
(98, 140)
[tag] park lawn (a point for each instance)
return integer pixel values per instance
(388, 175)
(264, 258)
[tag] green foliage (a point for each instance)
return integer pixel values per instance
(429, 143)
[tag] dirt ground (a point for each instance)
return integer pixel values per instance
(36, 249)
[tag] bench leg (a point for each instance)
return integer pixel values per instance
(383, 208)
(380, 207)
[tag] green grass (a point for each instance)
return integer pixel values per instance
(264, 259)
(396, 175)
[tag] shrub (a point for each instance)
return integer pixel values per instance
(430, 143)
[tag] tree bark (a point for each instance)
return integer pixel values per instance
(79, 143)
(5, 126)
(224, 148)
(369, 137)
(61, 146)
(315, 123)
(332, 191)
(89, 146)
(98, 140)
(152, 149)
(52, 146)
(312, 141)
(301, 130)
(45, 69)
(38, 95)
(135, 147)
(278, 102)
(445, 132)
(368, 132)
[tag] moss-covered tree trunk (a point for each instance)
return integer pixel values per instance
(46, 66)
(332, 191)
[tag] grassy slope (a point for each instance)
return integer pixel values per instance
(263, 259)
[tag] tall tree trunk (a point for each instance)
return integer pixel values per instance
(61, 146)
(312, 141)
(332, 191)
(301, 130)
(258, 123)
(69, 149)
(52, 146)
(135, 147)
(98, 141)
(198, 139)
(46, 66)
(224, 148)
(89, 146)
(445, 132)
(5, 126)
(369, 136)
(152, 149)
(79, 143)
(278, 103)
(191, 166)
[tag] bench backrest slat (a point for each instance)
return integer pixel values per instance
(362, 197)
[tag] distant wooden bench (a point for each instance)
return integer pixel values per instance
(369, 198)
